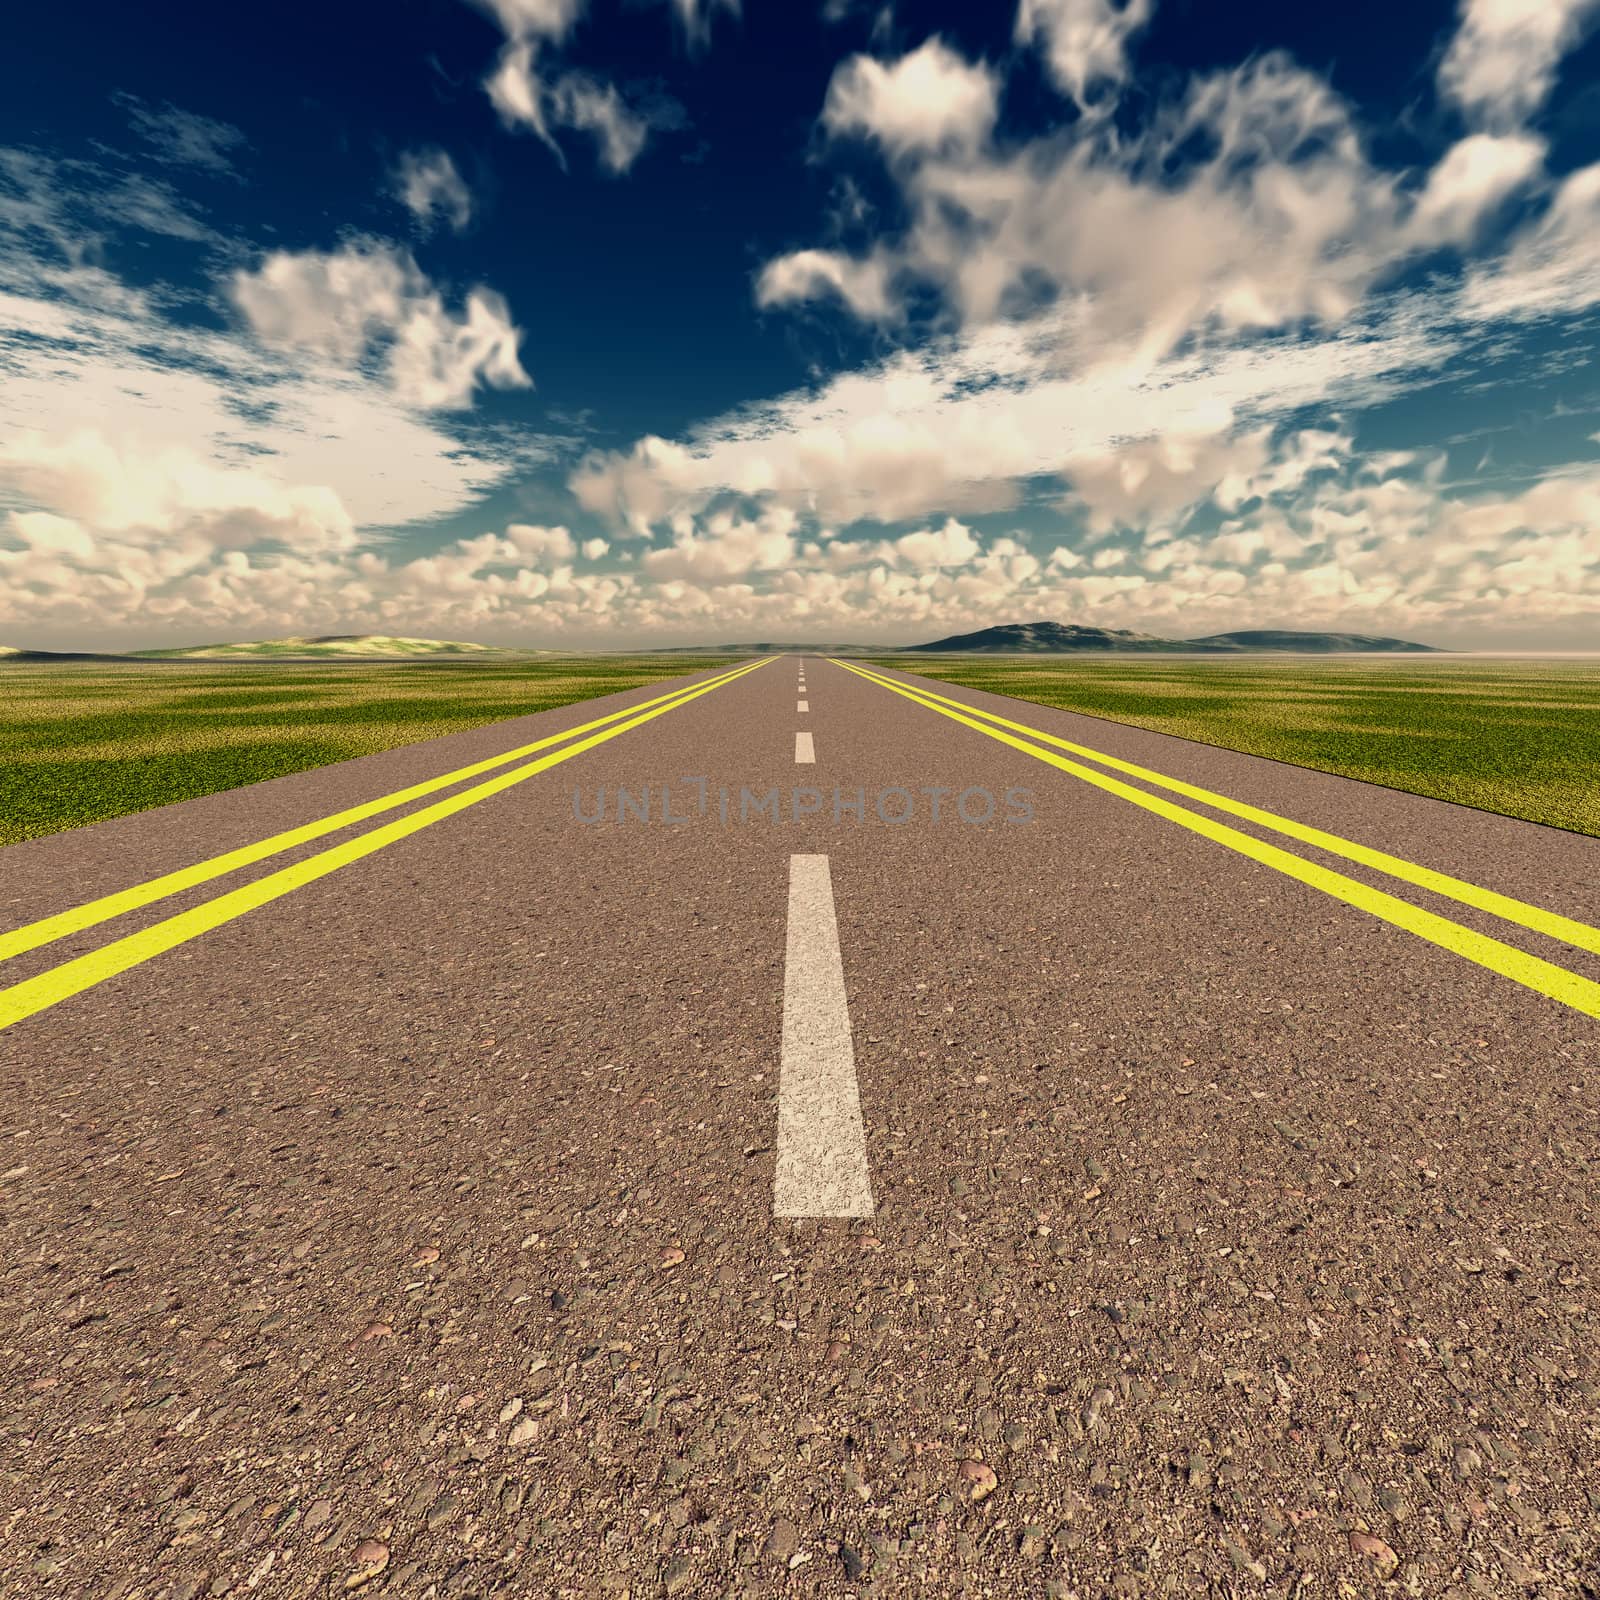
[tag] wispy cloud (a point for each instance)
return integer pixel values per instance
(530, 88)
(184, 138)
(428, 185)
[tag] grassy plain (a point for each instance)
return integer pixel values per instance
(83, 741)
(1520, 737)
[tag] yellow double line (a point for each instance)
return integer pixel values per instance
(72, 977)
(1571, 989)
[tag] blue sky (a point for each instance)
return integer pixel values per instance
(584, 325)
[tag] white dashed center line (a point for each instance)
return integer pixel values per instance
(804, 750)
(822, 1145)
(802, 705)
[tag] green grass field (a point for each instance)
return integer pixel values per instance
(83, 741)
(1518, 737)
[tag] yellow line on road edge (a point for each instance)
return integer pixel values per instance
(48, 929)
(1537, 918)
(1533, 973)
(73, 977)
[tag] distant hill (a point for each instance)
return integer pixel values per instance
(1310, 643)
(1052, 638)
(11, 652)
(341, 645)
(1061, 638)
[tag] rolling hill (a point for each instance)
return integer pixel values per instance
(1062, 638)
(335, 645)
(1312, 643)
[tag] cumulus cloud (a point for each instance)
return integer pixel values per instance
(1132, 310)
(933, 549)
(959, 425)
(1501, 64)
(931, 99)
(727, 546)
(362, 299)
(1084, 42)
(1152, 485)
(80, 346)
(170, 494)
(1281, 217)
(428, 185)
(1370, 544)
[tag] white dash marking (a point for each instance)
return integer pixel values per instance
(822, 1145)
(802, 705)
(804, 750)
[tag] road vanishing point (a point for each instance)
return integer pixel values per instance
(801, 1130)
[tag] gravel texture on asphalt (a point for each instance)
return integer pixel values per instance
(414, 1233)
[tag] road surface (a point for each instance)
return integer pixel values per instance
(1167, 1173)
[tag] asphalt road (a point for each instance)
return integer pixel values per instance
(1095, 1203)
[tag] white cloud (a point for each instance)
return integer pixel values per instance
(593, 549)
(957, 426)
(1284, 219)
(351, 303)
(1475, 176)
(729, 547)
(1380, 551)
(580, 101)
(809, 274)
(549, 20)
(528, 92)
(1110, 288)
(932, 549)
(428, 185)
(1149, 484)
(169, 494)
(516, 92)
(1085, 42)
(151, 387)
(928, 100)
(1552, 266)
(524, 97)
(82, 350)
(1501, 64)
(545, 547)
